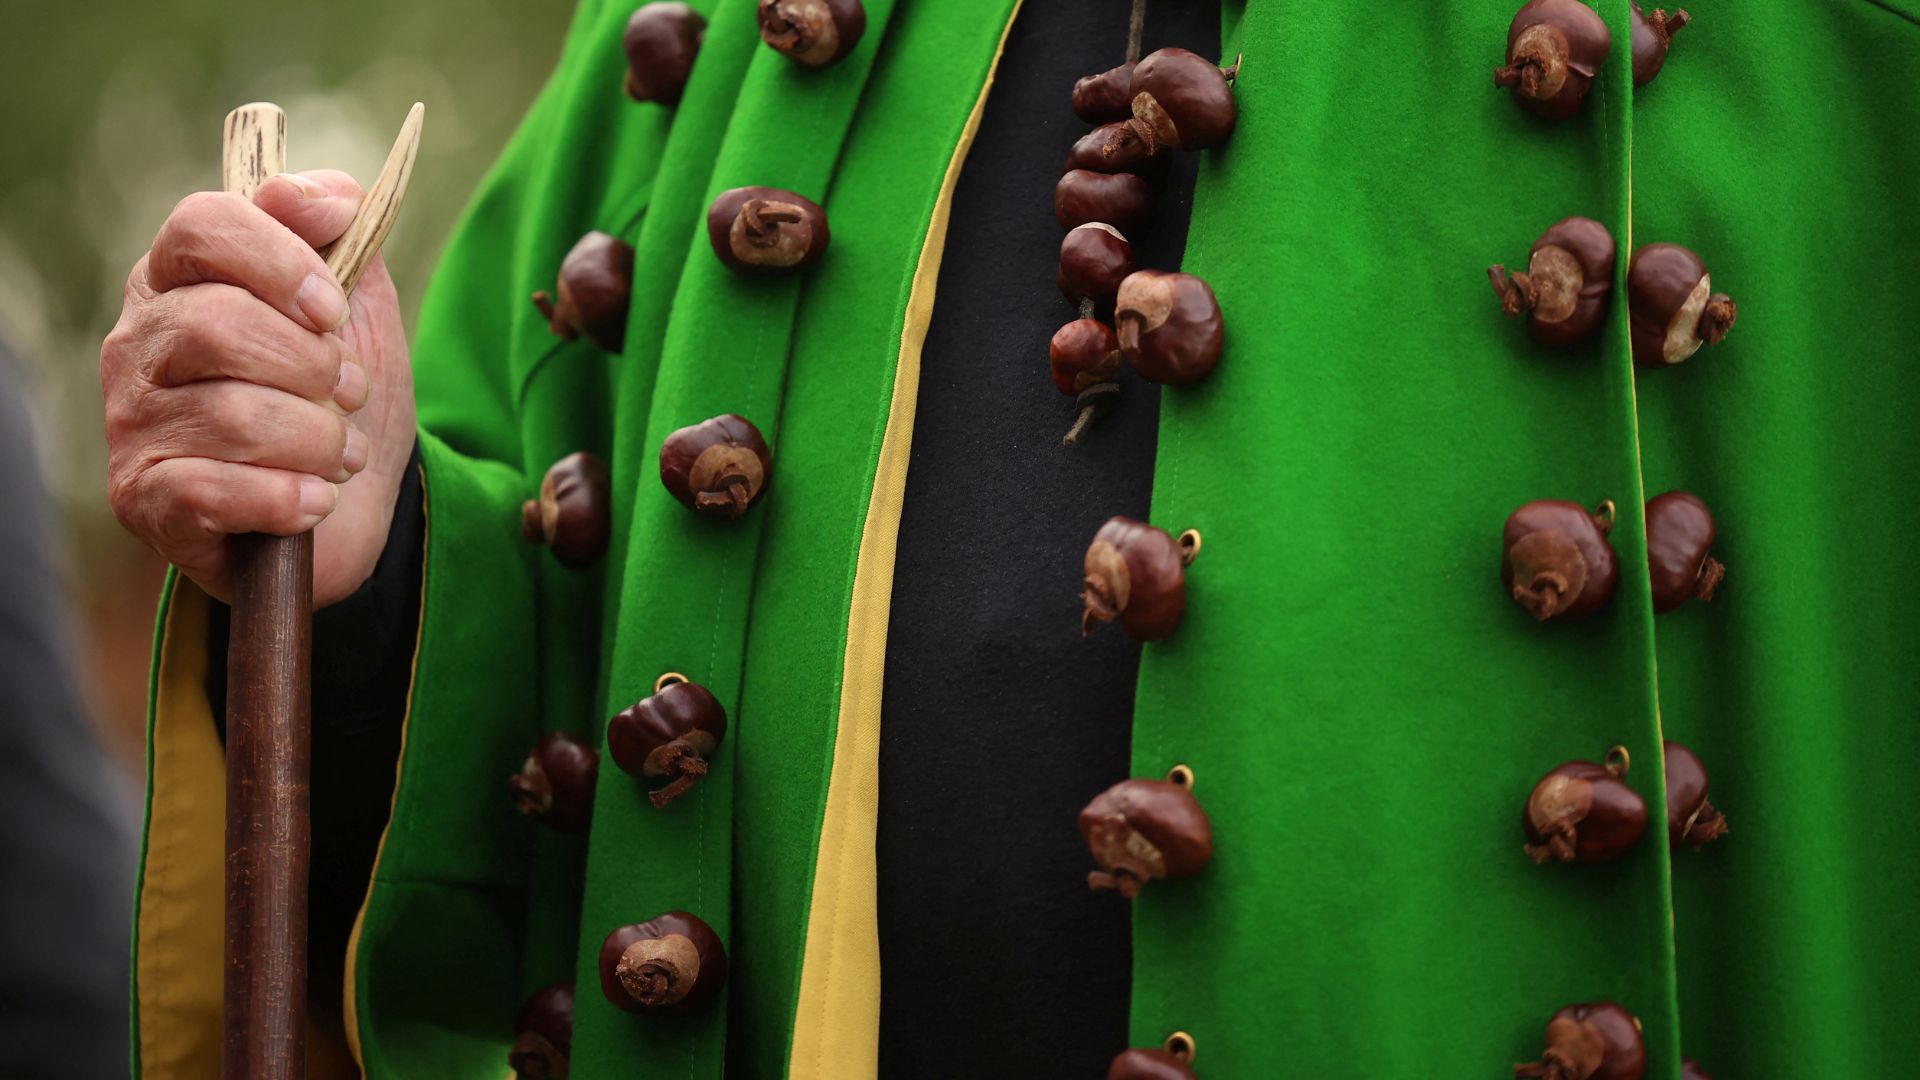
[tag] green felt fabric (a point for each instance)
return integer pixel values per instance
(1364, 710)
(438, 948)
(1797, 684)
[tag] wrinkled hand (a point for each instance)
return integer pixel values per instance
(242, 394)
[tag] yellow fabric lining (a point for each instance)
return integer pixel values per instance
(350, 999)
(836, 1029)
(177, 978)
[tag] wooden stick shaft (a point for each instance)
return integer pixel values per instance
(268, 751)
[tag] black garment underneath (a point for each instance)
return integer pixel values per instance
(999, 721)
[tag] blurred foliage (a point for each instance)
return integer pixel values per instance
(113, 112)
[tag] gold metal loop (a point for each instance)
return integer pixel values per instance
(1181, 1045)
(1603, 517)
(667, 680)
(1182, 775)
(1189, 542)
(1619, 761)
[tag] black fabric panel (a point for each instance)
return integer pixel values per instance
(68, 819)
(362, 670)
(999, 720)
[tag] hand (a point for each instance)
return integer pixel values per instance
(243, 395)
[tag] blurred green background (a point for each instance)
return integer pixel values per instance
(113, 112)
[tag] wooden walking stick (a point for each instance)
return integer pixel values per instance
(268, 696)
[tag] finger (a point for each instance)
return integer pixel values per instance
(223, 332)
(218, 237)
(238, 422)
(316, 205)
(180, 504)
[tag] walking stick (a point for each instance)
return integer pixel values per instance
(268, 701)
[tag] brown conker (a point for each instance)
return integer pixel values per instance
(1181, 100)
(1652, 36)
(1154, 1064)
(543, 1035)
(1120, 199)
(555, 784)
(1594, 1041)
(718, 467)
(1689, 1068)
(1680, 535)
(1583, 812)
(1094, 259)
(670, 962)
(763, 230)
(1671, 307)
(1139, 830)
(1169, 325)
(1554, 50)
(662, 39)
(812, 33)
(1558, 563)
(1567, 283)
(1085, 358)
(1691, 819)
(1137, 574)
(573, 515)
(595, 287)
(1110, 149)
(1100, 98)
(668, 736)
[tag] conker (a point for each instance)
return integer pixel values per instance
(1554, 50)
(671, 962)
(661, 41)
(763, 230)
(668, 736)
(1689, 1068)
(1137, 574)
(1139, 830)
(812, 33)
(1182, 100)
(1154, 1064)
(717, 467)
(1558, 563)
(1103, 97)
(1652, 35)
(543, 1035)
(1691, 819)
(572, 515)
(1085, 357)
(1567, 283)
(1594, 1041)
(1110, 149)
(1169, 325)
(595, 285)
(1120, 199)
(1583, 812)
(1094, 259)
(1671, 306)
(1680, 533)
(555, 784)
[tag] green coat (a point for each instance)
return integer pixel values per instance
(1363, 710)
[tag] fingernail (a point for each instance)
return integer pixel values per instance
(350, 392)
(322, 301)
(309, 189)
(354, 457)
(317, 497)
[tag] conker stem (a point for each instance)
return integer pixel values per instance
(659, 971)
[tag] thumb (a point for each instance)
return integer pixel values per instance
(317, 206)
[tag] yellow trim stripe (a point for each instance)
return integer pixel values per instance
(836, 1029)
(178, 942)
